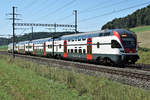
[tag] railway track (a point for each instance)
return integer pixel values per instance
(125, 72)
(145, 67)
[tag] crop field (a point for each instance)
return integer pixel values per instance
(144, 39)
(143, 35)
(24, 80)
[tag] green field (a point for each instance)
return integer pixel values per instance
(140, 29)
(23, 80)
(4, 48)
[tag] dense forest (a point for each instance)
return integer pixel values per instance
(35, 35)
(138, 18)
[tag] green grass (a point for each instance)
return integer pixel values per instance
(144, 54)
(4, 48)
(140, 29)
(24, 80)
(17, 83)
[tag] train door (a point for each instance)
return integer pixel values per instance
(44, 48)
(65, 49)
(18, 48)
(89, 49)
(57, 48)
(33, 49)
(24, 49)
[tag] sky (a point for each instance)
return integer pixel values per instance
(92, 14)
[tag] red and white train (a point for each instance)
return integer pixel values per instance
(117, 46)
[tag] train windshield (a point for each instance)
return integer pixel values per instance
(129, 42)
(128, 39)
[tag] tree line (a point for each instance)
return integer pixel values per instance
(138, 18)
(35, 35)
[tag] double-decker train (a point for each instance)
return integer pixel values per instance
(116, 46)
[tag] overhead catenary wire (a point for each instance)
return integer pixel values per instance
(90, 9)
(65, 17)
(93, 7)
(58, 9)
(112, 12)
(71, 15)
(32, 3)
(99, 7)
(44, 7)
(96, 7)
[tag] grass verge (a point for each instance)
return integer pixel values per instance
(18, 83)
(144, 54)
(28, 81)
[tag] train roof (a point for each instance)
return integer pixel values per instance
(35, 41)
(94, 34)
(122, 31)
(79, 36)
(41, 40)
(23, 42)
(85, 34)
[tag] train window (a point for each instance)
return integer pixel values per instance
(71, 50)
(84, 51)
(129, 42)
(29, 47)
(80, 50)
(72, 40)
(75, 50)
(107, 34)
(98, 44)
(49, 46)
(115, 44)
(57, 48)
(68, 50)
(79, 39)
(101, 34)
(59, 45)
(68, 40)
(83, 39)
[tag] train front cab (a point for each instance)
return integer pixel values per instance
(127, 46)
